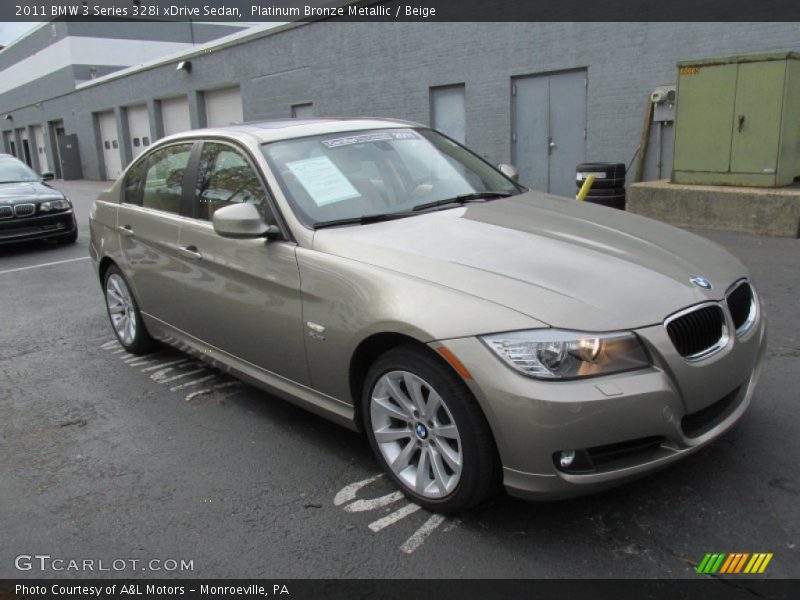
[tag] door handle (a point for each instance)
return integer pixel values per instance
(125, 230)
(190, 252)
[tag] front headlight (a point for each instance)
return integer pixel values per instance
(55, 204)
(560, 354)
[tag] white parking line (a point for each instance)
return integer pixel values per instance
(181, 386)
(416, 540)
(373, 503)
(166, 364)
(227, 384)
(162, 380)
(50, 264)
(349, 492)
(400, 513)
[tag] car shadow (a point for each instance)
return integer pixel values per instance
(34, 246)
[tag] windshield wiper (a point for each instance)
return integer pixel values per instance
(463, 199)
(363, 219)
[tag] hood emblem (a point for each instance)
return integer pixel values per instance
(701, 282)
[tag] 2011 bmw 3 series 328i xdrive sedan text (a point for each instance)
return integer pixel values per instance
(379, 274)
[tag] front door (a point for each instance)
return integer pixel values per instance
(69, 156)
(548, 138)
(148, 222)
(242, 296)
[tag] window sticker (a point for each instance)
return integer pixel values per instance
(323, 180)
(361, 138)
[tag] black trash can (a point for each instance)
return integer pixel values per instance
(608, 188)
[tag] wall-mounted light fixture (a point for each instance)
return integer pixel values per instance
(184, 65)
(9, 118)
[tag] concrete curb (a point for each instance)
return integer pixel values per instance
(762, 211)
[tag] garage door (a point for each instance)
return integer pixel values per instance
(139, 128)
(175, 115)
(223, 107)
(110, 142)
(41, 149)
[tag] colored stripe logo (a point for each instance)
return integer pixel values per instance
(734, 563)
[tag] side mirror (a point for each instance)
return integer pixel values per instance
(509, 171)
(241, 221)
(48, 176)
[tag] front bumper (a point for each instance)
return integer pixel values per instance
(638, 421)
(38, 227)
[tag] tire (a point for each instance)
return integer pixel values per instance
(610, 170)
(123, 313)
(453, 435)
(602, 183)
(605, 192)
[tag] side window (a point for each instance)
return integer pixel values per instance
(225, 177)
(132, 188)
(163, 178)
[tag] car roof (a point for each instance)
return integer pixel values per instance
(283, 129)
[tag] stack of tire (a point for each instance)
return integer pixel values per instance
(608, 188)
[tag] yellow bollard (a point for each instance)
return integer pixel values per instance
(587, 184)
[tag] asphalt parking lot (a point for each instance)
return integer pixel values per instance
(108, 456)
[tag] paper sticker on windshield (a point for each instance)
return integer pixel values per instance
(378, 136)
(323, 180)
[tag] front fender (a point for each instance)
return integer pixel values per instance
(346, 302)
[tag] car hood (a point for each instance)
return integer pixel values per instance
(26, 191)
(565, 263)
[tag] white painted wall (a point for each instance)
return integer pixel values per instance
(85, 51)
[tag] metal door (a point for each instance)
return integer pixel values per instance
(70, 156)
(549, 129)
(110, 144)
(448, 111)
(757, 117)
(705, 104)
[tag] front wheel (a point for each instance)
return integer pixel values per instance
(428, 432)
(124, 314)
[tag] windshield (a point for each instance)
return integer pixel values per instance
(380, 171)
(12, 171)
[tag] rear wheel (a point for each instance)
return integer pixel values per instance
(428, 432)
(123, 312)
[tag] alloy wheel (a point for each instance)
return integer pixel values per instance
(416, 434)
(121, 309)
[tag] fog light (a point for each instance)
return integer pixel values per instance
(566, 458)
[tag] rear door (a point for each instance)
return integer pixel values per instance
(242, 296)
(149, 221)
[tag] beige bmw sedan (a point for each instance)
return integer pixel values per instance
(381, 275)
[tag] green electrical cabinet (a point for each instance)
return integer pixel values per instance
(738, 121)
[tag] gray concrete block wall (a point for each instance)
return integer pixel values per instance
(387, 69)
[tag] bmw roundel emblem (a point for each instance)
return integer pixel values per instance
(701, 282)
